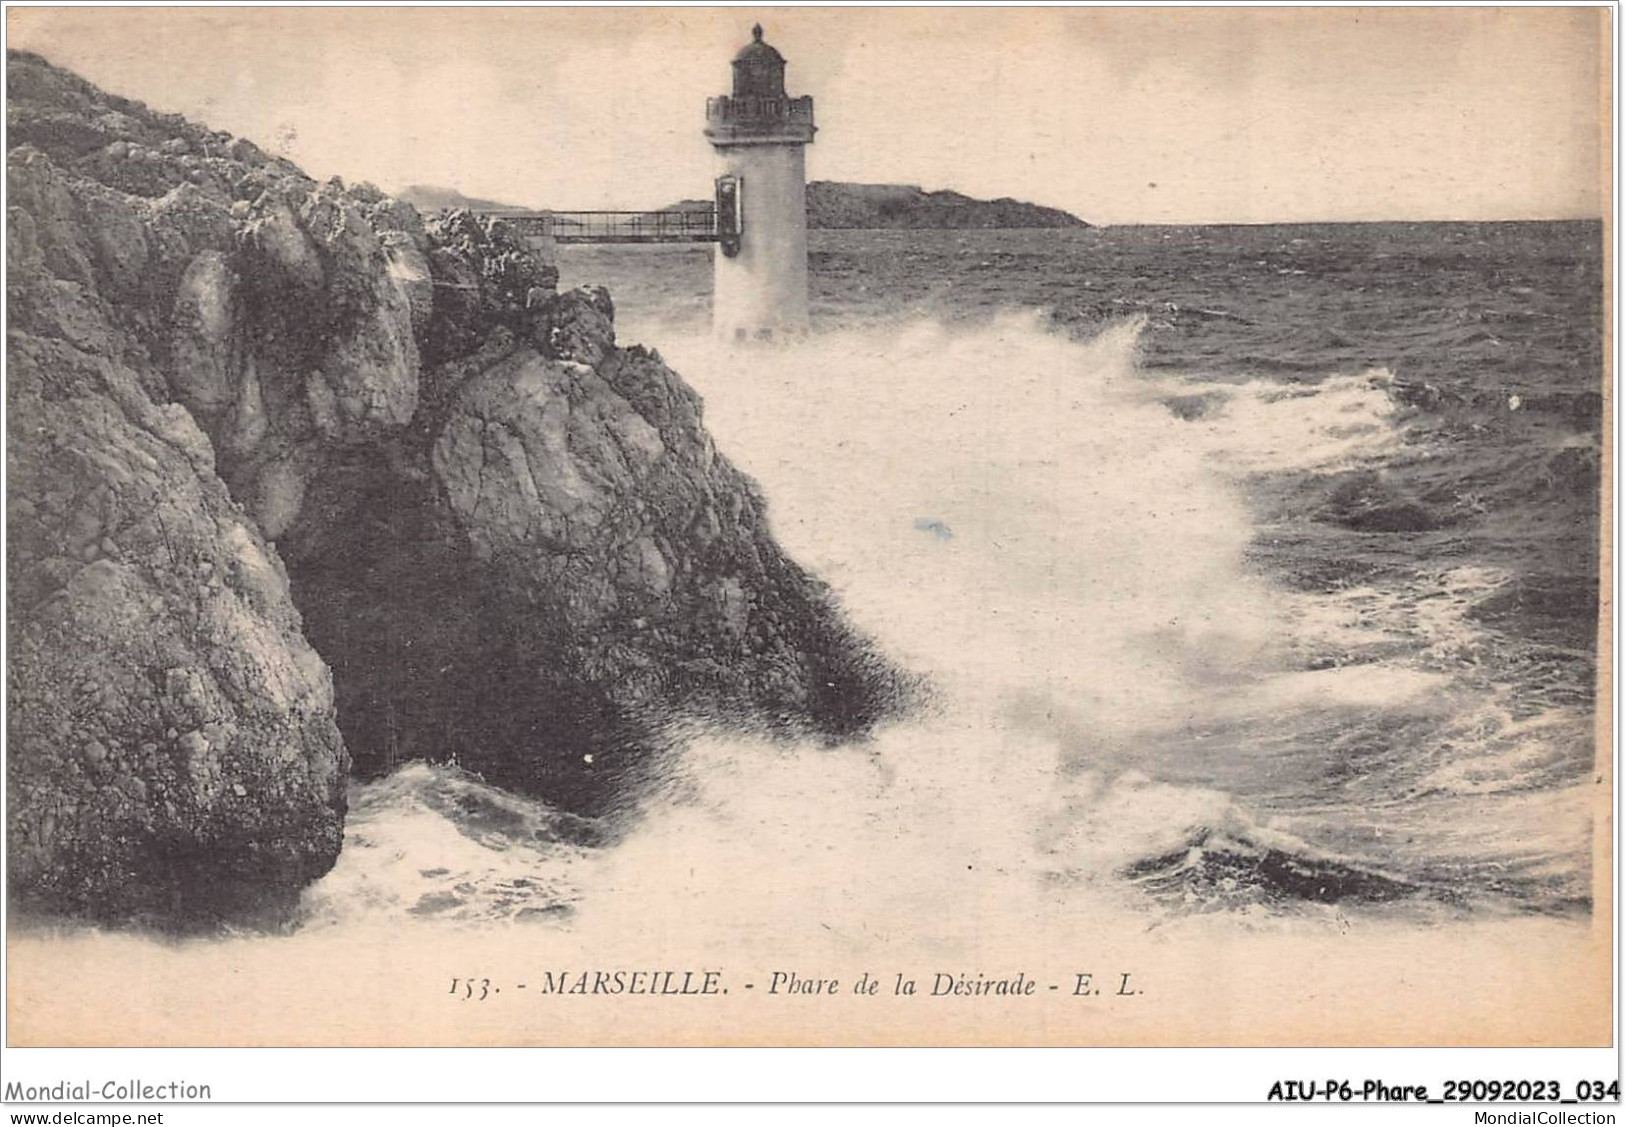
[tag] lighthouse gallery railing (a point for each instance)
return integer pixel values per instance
(746, 108)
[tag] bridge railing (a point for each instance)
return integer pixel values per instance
(615, 226)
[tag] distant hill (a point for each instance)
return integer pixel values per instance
(869, 206)
(430, 197)
(832, 204)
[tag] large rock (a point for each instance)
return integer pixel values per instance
(173, 750)
(175, 755)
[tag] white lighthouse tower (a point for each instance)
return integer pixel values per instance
(760, 134)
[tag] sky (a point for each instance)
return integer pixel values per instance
(1120, 115)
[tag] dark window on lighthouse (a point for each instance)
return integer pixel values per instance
(730, 213)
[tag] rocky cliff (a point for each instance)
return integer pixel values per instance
(301, 485)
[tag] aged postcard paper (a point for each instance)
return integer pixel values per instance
(808, 526)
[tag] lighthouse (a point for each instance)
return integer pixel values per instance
(760, 135)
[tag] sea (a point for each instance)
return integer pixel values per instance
(1253, 570)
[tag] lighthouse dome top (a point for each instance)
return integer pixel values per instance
(757, 50)
(758, 69)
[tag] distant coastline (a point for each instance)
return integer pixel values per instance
(839, 206)
(833, 206)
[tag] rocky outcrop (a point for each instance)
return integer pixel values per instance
(254, 419)
(554, 564)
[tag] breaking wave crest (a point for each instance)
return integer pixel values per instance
(1139, 711)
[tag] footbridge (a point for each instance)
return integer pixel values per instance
(613, 226)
